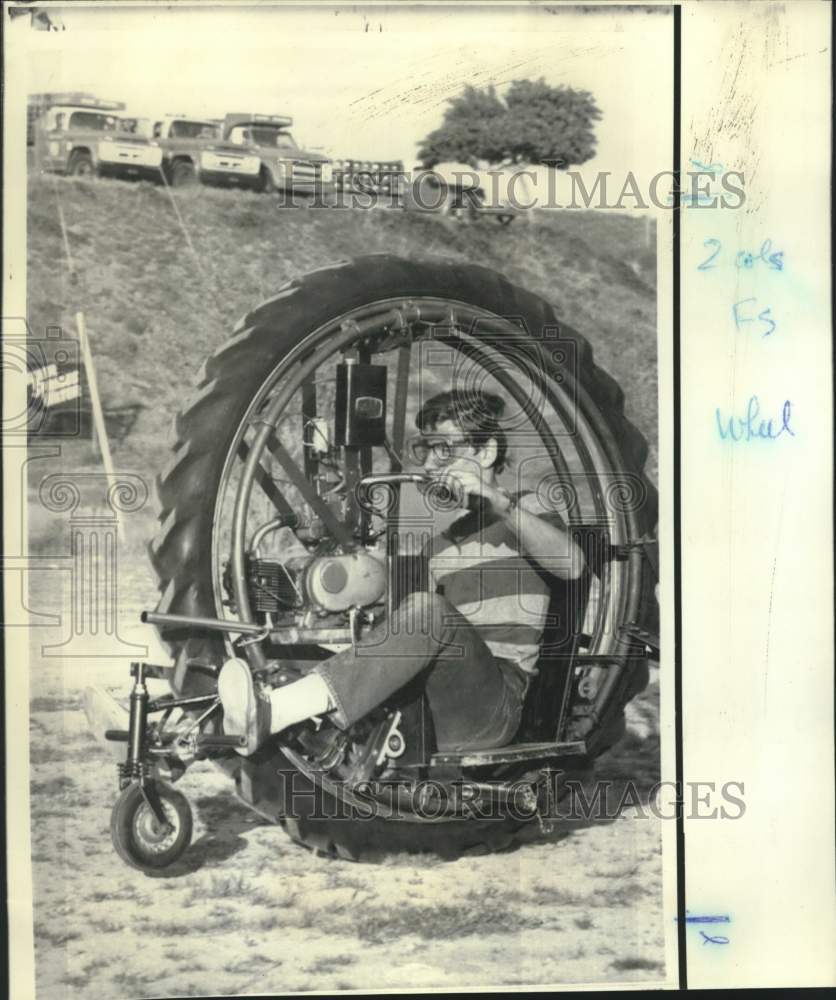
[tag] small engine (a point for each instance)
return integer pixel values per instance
(323, 584)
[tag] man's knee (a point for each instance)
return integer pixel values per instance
(425, 607)
(427, 613)
(421, 599)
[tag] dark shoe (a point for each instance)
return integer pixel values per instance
(246, 711)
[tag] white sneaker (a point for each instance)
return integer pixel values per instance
(246, 711)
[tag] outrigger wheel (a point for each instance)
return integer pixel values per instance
(139, 837)
(249, 453)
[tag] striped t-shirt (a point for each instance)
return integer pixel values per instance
(478, 567)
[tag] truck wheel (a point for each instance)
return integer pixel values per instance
(183, 174)
(81, 165)
(266, 184)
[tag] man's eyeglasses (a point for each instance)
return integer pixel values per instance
(443, 449)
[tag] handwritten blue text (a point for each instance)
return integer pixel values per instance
(752, 426)
(741, 311)
(744, 260)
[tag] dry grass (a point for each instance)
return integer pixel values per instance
(256, 914)
(154, 312)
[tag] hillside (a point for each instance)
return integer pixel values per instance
(156, 306)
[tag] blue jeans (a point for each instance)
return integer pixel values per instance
(476, 699)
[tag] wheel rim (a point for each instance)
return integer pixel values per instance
(606, 494)
(150, 834)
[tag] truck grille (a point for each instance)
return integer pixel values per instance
(230, 163)
(129, 154)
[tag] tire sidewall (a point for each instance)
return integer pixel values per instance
(266, 184)
(81, 165)
(183, 174)
(129, 803)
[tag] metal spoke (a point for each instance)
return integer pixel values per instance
(309, 494)
(267, 483)
(308, 414)
(401, 400)
(358, 462)
(396, 448)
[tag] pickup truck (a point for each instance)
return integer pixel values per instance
(258, 152)
(84, 140)
(182, 140)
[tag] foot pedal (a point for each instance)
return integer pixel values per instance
(220, 741)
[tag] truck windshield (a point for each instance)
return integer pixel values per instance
(92, 120)
(262, 136)
(192, 130)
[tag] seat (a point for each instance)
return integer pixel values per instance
(544, 712)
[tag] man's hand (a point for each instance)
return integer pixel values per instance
(466, 482)
(548, 545)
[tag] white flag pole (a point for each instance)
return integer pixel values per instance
(98, 415)
(87, 358)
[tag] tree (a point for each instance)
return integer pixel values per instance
(535, 123)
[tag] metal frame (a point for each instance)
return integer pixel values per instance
(448, 322)
(397, 319)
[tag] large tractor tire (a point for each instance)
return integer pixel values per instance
(285, 329)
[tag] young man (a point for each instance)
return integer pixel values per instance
(473, 636)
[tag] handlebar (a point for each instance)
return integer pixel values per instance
(444, 492)
(395, 478)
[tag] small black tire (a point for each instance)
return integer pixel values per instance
(135, 831)
(183, 174)
(81, 165)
